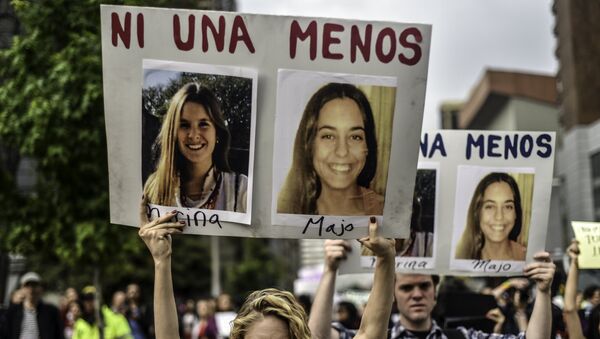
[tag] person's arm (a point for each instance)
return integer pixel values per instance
(497, 317)
(571, 317)
(542, 272)
(157, 236)
(518, 283)
(319, 320)
(376, 315)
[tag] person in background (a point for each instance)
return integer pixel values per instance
(115, 319)
(188, 319)
(67, 303)
(347, 315)
(73, 313)
(206, 326)
(104, 323)
(224, 303)
(31, 319)
(512, 298)
(591, 299)
(138, 315)
(90, 322)
(226, 312)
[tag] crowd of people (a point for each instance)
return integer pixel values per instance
(78, 314)
(399, 305)
(272, 313)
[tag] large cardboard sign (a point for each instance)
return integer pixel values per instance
(490, 210)
(204, 109)
(588, 235)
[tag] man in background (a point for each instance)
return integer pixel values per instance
(32, 319)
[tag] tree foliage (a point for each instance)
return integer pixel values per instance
(51, 109)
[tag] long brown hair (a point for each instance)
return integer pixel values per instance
(472, 240)
(302, 186)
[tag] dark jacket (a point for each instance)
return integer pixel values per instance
(48, 319)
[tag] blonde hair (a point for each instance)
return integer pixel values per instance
(274, 302)
(161, 185)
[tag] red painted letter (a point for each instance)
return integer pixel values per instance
(140, 30)
(296, 33)
(189, 44)
(118, 30)
(218, 35)
(381, 55)
(411, 45)
(357, 43)
(239, 32)
(328, 40)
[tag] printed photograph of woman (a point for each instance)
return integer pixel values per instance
(420, 242)
(334, 156)
(495, 220)
(192, 164)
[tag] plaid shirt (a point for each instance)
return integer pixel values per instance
(399, 332)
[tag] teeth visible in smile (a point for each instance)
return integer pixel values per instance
(498, 228)
(340, 167)
(195, 147)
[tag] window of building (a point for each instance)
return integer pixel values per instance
(595, 163)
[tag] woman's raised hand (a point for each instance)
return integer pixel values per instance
(157, 233)
(573, 250)
(380, 246)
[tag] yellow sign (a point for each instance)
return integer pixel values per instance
(588, 235)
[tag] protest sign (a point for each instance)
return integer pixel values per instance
(492, 197)
(214, 101)
(588, 235)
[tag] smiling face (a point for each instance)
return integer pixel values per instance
(269, 327)
(340, 149)
(196, 135)
(415, 298)
(497, 215)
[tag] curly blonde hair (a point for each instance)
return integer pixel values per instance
(274, 302)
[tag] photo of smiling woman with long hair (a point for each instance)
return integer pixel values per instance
(335, 156)
(193, 164)
(496, 226)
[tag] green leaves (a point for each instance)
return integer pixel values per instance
(51, 109)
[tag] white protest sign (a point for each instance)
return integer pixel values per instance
(491, 205)
(588, 235)
(215, 100)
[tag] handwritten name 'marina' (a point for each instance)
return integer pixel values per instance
(406, 265)
(489, 266)
(338, 230)
(199, 218)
